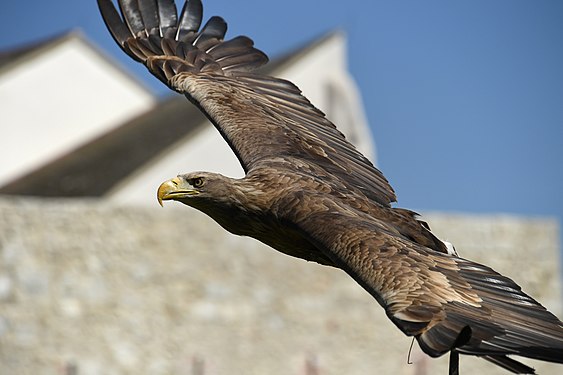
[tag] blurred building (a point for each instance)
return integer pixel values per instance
(109, 283)
(58, 95)
(82, 127)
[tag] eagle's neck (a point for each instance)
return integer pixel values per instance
(239, 208)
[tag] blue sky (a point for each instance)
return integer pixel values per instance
(465, 98)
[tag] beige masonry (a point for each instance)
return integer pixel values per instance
(88, 288)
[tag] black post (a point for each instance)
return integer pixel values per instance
(454, 363)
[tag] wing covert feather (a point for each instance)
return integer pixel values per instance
(260, 126)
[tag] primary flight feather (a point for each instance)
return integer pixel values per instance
(309, 193)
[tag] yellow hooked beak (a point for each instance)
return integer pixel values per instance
(175, 188)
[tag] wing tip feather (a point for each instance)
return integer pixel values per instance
(143, 29)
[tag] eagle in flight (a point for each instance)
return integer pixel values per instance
(309, 193)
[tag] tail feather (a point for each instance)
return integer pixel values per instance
(510, 364)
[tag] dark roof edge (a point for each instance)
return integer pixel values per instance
(94, 168)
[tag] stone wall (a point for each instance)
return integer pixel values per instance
(89, 288)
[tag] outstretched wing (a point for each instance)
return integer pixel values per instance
(444, 301)
(262, 118)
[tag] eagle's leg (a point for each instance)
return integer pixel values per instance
(454, 363)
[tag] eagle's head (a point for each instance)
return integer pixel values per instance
(193, 188)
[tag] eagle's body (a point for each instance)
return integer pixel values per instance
(309, 193)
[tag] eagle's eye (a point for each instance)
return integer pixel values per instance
(197, 182)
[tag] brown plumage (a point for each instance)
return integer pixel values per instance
(310, 194)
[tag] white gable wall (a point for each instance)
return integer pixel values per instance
(324, 79)
(317, 70)
(59, 99)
